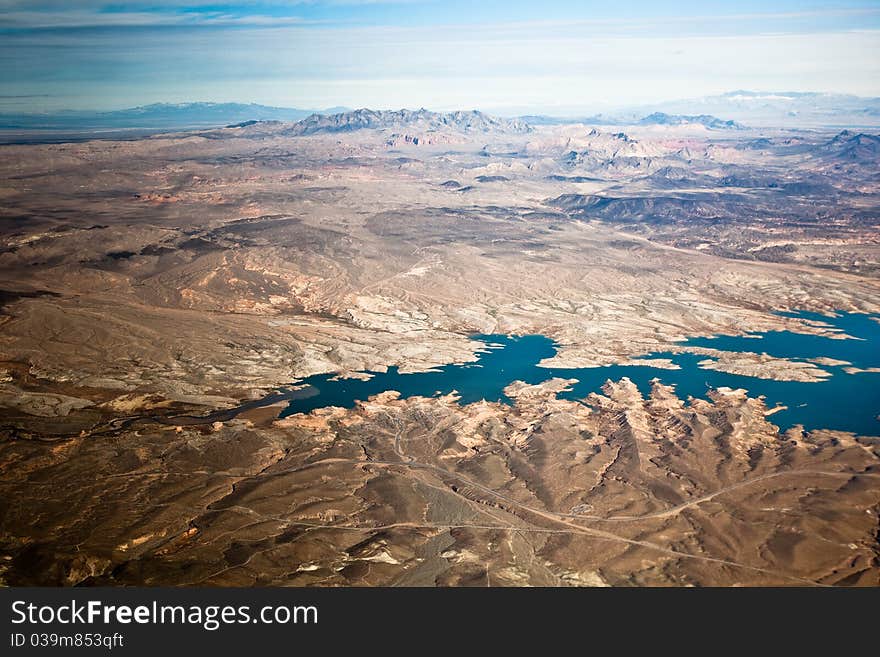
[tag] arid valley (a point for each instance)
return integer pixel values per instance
(164, 297)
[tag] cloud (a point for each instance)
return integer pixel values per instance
(42, 14)
(80, 19)
(58, 14)
(226, 55)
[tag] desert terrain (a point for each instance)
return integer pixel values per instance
(155, 289)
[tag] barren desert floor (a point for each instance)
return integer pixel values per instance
(164, 298)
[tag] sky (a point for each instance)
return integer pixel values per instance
(509, 56)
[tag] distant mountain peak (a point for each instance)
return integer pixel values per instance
(781, 108)
(155, 116)
(850, 137)
(849, 146)
(472, 121)
(707, 120)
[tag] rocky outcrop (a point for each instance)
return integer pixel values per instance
(617, 489)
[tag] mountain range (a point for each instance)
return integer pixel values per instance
(419, 120)
(779, 108)
(158, 116)
(737, 108)
(793, 109)
(707, 120)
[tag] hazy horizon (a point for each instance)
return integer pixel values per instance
(511, 57)
(560, 112)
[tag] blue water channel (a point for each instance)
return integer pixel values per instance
(847, 402)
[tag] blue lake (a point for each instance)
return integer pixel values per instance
(848, 402)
